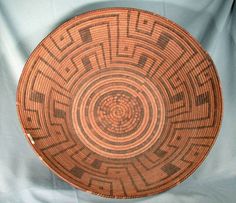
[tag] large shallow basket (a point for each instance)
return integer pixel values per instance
(120, 102)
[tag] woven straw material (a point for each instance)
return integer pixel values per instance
(120, 102)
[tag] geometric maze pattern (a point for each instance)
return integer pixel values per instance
(120, 102)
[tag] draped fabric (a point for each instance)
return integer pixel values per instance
(23, 24)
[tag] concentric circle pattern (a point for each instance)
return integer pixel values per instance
(120, 102)
(116, 112)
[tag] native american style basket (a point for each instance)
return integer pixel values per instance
(120, 102)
